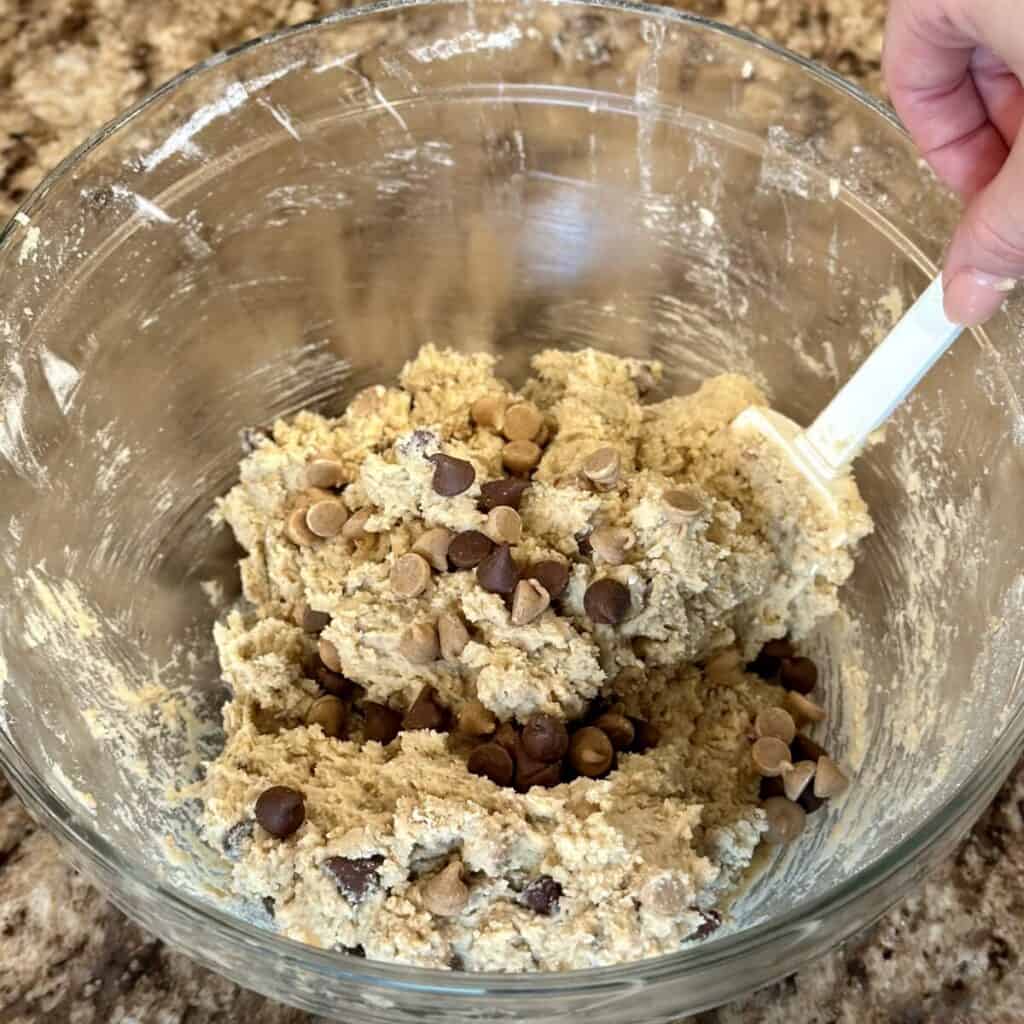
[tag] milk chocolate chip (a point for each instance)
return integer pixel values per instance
(452, 476)
(280, 811)
(498, 572)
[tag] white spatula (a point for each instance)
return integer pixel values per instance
(822, 453)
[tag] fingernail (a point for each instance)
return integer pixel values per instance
(972, 297)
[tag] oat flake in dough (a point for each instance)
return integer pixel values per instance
(641, 854)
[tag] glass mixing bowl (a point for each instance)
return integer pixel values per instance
(288, 223)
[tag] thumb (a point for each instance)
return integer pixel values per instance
(986, 257)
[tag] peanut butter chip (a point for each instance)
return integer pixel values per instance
(477, 720)
(420, 644)
(325, 472)
(446, 894)
(329, 654)
(683, 504)
(786, 820)
(611, 543)
(326, 518)
(520, 456)
(802, 708)
(771, 757)
(794, 782)
(330, 714)
(591, 752)
(297, 531)
(723, 666)
(410, 575)
(618, 728)
(489, 411)
(452, 635)
(523, 421)
(529, 602)
(603, 468)
(777, 723)
(504, 525)
(355, 528)
(433, 546)
(829, 779)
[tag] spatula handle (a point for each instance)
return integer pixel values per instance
(885, 378)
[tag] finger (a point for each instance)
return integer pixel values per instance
(986, 257)
(1001, 93)
(927, 64)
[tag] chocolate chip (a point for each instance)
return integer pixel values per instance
(236, 838)
(382, 723)
(805, 749)
(468, 549)
(356, 951)
(269, 905)
(618, 728)
(809, 802)
(498, 572)
(542, 895)
(545, 738)
(314, 622)
(426, 712)
(769, 660)
(769, 787)
(607, 601)
(552, 575)
(591, 752)
(506, 492)
(280, 810)
(492, 761)
(530, 772)
(507, 736)
(712, 921)
(645, 736)
(354, 876)
(583, 545)
(799, 674)
(333, 683)
(452, 476)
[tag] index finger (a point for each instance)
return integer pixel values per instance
(927, 64)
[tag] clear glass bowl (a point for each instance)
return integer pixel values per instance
(288, 223)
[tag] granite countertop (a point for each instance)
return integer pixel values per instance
(949, 954)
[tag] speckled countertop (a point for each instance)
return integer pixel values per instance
(950, 954)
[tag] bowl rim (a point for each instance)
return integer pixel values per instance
(72, 827)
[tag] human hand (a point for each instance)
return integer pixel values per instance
(952, 68)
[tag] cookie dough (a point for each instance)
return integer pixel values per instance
(392, 583)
